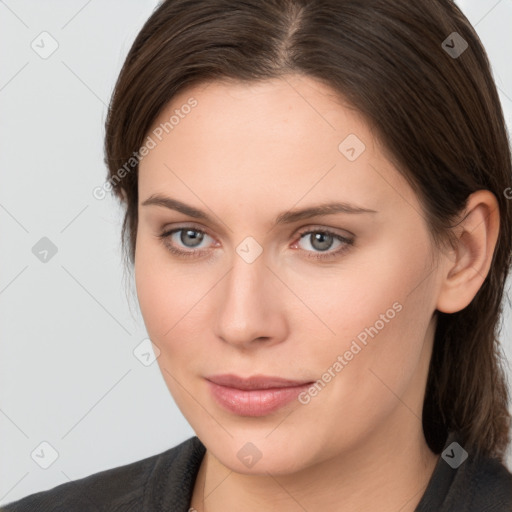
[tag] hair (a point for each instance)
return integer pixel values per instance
(437, 114)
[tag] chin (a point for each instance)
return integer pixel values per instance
(276, 449)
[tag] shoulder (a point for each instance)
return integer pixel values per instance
(466, 481)
(483, 484)
(490, 485)
(123, 488)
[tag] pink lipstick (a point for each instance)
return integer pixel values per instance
(254, 396)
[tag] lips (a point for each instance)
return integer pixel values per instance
(258, 395)
(255, 382)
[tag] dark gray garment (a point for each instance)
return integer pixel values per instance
(164, 483)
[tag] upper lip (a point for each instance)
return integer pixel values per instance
(255, 381)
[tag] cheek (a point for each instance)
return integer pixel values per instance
(165, 303)
(381, 315)
(156, 298)
(370, 291)
(172, 299)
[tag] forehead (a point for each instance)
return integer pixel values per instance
(289, 139)
(293, 109)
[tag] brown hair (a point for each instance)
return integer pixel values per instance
(438, 115)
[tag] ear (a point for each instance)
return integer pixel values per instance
(468, 263)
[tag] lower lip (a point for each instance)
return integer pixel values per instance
(254, 402)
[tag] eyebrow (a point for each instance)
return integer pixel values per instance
(287, 217)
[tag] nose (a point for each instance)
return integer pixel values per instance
(251, 307)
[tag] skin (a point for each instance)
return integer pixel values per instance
(244, 155)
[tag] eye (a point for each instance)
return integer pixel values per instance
(188, 237)
(321, 240)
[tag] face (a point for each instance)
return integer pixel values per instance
(243, 284)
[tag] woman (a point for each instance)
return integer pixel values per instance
(318, 213)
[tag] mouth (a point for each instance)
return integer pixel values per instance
(258, 395)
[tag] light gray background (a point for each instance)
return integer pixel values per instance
(68, 375)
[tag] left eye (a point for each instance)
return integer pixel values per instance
(322, 240)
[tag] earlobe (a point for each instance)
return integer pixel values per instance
(476, 237)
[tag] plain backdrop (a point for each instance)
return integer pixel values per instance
(73, 395)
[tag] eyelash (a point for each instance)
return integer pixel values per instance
(347, 242)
